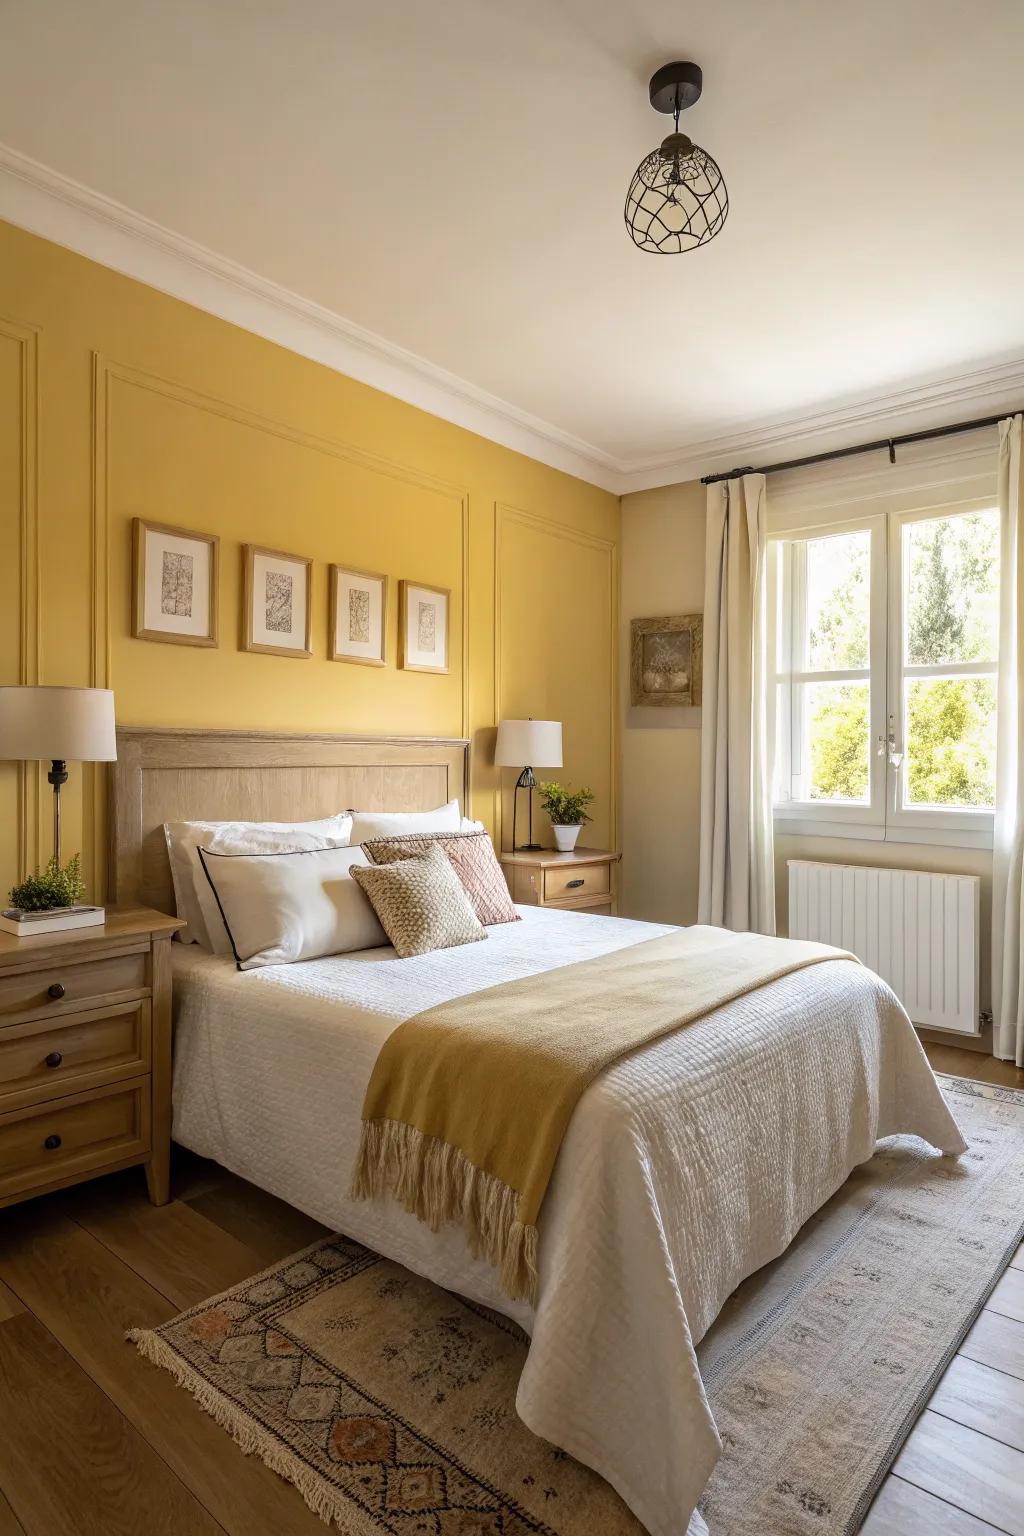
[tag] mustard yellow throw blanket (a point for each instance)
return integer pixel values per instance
(468, 1102)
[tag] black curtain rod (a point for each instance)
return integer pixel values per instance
(889, 443)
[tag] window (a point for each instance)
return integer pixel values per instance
(883, 650)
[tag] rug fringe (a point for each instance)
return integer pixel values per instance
(437, 1183)
(249, 1437)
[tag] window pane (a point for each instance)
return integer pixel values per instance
(951, 567)
(951, 741)
(836, 728)
(838, 601)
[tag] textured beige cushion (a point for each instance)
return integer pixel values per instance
(421, 904)
(472, 857)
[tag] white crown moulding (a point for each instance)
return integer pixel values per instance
(52, 205)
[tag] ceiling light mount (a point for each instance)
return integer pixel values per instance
(674, 87)
(677, 199)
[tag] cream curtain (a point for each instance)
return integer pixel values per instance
(737, 873)
(1008, 845)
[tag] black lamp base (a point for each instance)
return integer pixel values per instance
(57, 776)
(525, 781)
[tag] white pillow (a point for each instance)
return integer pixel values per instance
(279, 908)
(367, 824)
(227, 840)
(184, 837)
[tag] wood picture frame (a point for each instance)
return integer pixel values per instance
(175, 584)
(271, 608)
(417, 642)
(667, 661)
(369, 652)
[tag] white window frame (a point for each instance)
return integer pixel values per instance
(958, 827)
(884, 817)
(798, 811)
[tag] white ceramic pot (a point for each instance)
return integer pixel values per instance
(565, 838)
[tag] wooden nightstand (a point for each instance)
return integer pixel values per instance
(85, 1054)
(580, 881)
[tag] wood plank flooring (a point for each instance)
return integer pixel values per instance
(96, 1442)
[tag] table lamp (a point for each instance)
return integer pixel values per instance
(57, 725)
(537, 743)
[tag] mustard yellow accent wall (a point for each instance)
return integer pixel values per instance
(150, 408)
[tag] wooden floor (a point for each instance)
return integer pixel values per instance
(96, 1442)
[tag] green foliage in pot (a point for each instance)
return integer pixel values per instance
(566, 807)
(55, 887)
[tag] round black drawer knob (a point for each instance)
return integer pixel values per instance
(55, 990)
(54, 1059)
(51, 1143)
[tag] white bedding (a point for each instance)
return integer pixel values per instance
(686, 1166)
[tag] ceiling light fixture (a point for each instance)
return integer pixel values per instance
(677, 200)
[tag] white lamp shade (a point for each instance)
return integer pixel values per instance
(73, 724)
(529, 744)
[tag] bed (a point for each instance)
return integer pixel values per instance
(687, 1165)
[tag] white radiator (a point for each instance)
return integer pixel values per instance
(920, 932)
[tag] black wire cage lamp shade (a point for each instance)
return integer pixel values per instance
(677, 199)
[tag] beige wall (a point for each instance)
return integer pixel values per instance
(662, 554)
(663, 572)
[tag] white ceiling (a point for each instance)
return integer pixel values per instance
(450, 177)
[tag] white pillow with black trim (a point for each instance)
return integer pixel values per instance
(230, 841)
(279, 908)
(184, 838)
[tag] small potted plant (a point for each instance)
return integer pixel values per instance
(49, 902)
(567, 810)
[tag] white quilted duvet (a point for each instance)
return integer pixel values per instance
(686, 1166)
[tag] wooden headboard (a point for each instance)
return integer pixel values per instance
(181, 775)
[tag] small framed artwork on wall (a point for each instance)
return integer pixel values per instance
(423, 626)
(667, 660)
(275, 602)
(174, 585)
(358, 623)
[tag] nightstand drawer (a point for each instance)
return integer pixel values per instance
(63, 986)
(47, 1058)
(56, 1141)
(575, 880)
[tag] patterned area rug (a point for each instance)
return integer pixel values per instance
(389, 1403)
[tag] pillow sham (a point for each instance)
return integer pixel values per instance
(367, 824)
(184, 837)
(279, 908)
(472, 857)
(420, 903)
(227, 841)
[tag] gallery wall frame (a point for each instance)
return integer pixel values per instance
(358, 622)
(423, 626)
(276, 602)
(175, 587)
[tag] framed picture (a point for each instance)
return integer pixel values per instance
(667, 660)
(174, 584)
(423, 627)
(275, 602)
(359, 610)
